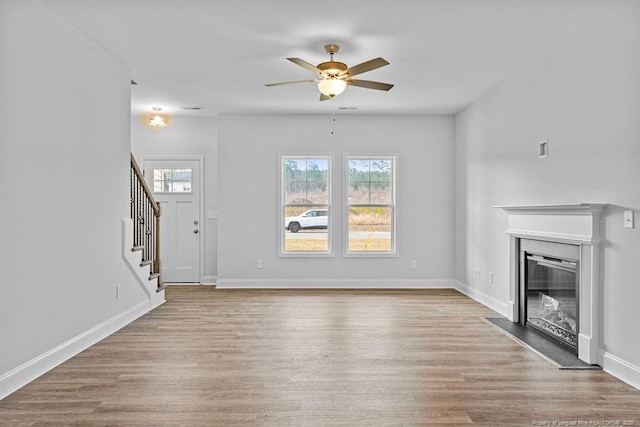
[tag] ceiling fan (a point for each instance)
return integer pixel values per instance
(333, 77)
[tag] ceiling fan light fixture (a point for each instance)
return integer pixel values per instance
(332, 87)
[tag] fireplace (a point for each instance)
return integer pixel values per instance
(554, 273)
(549, 290)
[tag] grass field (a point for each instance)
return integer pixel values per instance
(354, 245)
(369, 244)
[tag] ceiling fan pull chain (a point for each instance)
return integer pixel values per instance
(333, 114)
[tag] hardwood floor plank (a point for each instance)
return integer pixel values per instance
(315, 357)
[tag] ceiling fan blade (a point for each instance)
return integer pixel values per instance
(305, 64)
(290, 83)
(324, 97)
(369, 84)
(367, 66)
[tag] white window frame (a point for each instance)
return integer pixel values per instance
(393, 253)
(153, 181)
(281, 205)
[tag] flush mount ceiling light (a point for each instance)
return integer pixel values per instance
(333, 76)
(157, 119)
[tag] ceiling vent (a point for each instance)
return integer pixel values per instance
(348, 108)
(193, 108)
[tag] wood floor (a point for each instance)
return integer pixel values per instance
(232, 357)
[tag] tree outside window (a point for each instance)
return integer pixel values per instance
(305, 204)
(370, 204)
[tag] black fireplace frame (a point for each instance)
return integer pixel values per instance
(555, 250)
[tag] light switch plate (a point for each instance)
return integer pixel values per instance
(628, 219)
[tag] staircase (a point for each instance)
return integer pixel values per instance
(141, 238)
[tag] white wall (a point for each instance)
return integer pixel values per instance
(188, 137)
(586, 100)
(248, 196)
(64, 159)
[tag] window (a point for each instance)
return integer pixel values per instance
(370, 205)
(172, 180)
(305, 205)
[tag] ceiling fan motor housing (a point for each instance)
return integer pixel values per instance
(333, 68)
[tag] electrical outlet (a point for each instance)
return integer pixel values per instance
(259, 263)
(491, 277)
(476, 273)
(413, 263)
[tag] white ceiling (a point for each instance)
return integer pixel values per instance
(218, 54)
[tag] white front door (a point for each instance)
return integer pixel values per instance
(176, 187)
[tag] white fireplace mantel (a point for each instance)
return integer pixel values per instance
(560, 223)
(577, 224)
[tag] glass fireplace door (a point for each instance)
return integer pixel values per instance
(551, 302)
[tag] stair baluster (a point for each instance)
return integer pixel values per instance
(145, 214)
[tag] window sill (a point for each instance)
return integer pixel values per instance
(370, 255)
(306, 255)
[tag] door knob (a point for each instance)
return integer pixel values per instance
(195, 231)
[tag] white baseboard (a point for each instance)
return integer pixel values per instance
(22, 375)
(209, 280)
(188, 284)
(156, 300)
(29, 371)
(334, 284)
(483, 298)
(620, 369)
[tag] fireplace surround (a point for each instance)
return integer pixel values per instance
(578, 226)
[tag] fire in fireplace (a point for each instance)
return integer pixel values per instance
(549, 290)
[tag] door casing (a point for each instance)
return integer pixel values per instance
(200, 160)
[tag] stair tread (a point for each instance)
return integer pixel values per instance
(146, 262)
(161, 287)
(137, 248)
(154, 276)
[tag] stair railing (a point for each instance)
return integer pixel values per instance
(145, 214)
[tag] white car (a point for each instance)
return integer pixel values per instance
(314, 218)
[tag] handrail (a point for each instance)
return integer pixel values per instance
(147, 191)
(145, 214)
